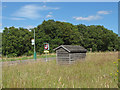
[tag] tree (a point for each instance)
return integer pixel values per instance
(17, 41)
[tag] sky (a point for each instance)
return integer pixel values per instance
(60, 0)
(31, 14)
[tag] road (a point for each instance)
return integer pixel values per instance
(27, 61)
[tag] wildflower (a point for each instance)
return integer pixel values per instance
(115, 74)
(110, 73)
(117, 70)
(114, 62)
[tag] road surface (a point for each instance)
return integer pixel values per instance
(27, 61)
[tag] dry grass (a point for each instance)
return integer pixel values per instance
(94, 72)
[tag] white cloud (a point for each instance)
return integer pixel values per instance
(89, 18)
(17, 18)
(28, 11)
(64, 21)
(0, 24)
(48, 16)
(32, 11)
(13, 18)
(50, 12)
(93, 17)
(44, 7)
(29, 26)
(1, 29)
(104, 12)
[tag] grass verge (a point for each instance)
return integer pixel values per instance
(27, 57)
(94, 72)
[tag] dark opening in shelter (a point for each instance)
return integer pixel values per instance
(67, 54)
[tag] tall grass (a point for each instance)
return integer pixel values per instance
(94, 72)
(27, 57)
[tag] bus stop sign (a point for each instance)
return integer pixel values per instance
(46, 46)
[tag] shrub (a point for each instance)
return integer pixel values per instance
(29, 53)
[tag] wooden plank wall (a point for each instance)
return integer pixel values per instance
(62, 56)
(77, 56)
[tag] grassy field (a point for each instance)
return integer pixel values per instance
(94, 72)
(27, 57)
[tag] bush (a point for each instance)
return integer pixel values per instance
(29, 53)
(12, 55)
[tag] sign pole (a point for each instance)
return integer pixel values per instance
(46, 49)
(34, 46)
(46, 57)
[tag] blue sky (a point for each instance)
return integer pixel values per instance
(28, 15)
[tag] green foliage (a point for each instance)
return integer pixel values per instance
(99, 38)
(29, 53)
(17, 41)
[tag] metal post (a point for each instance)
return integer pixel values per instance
(34, 46)
(46, 57)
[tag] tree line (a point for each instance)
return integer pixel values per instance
(17, 41)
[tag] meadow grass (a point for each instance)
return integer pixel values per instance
(94, 72)
(27, 57)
